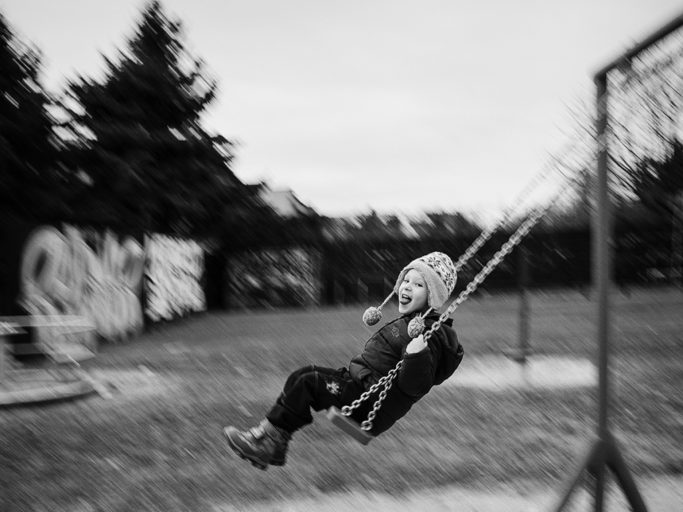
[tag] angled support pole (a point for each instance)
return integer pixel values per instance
(603, 454)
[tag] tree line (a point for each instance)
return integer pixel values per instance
(128, 151)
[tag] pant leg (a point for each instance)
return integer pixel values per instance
(311, 387)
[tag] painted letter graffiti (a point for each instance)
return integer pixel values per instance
(61, 274)
(173, 277)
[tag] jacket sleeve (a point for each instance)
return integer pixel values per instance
(416, 376)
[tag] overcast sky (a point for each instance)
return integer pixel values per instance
(391, 105)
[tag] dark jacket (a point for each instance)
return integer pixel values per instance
(419, 372)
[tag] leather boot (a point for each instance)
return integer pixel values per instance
(261, 445)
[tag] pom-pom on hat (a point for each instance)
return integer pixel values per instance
(438, 271)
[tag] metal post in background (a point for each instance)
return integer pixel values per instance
(524, 318)
(520, 353)
(677, 241)
(602, 268)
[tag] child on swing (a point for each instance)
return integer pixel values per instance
(422, 287)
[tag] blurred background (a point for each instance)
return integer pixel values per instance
(117, 194)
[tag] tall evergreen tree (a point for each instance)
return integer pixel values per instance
(141, 154)
(659, 183)
(29, 185)
(659, 186)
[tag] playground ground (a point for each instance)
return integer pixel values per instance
(152, 440)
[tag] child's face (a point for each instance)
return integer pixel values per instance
(412, 293)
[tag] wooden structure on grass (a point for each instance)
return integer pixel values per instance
(60, 343)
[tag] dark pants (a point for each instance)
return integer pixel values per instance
(312, 387)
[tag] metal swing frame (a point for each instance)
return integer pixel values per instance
(362, 432)
(604, 452)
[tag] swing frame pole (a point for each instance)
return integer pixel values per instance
(604, 453)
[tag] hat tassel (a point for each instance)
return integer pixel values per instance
(373, 314)
(417, 324)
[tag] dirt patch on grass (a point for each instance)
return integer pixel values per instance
(131, 383)
(500, 373)
(660, 494)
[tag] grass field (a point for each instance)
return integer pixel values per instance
(156, 443)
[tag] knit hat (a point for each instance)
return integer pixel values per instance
(439, 274)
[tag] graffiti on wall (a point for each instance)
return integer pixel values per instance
(278, 278)
(74, 272)
(173, 277)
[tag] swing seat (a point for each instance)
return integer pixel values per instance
(349, 426)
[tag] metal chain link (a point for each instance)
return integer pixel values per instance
(507, 247)
(553, 166)
(367, 424)
(348, 409)
(387, 380)
(507, 215)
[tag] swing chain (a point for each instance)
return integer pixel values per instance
(348, 409)
(553, 166)
(507, 247)
(486, 234)
(367, 424)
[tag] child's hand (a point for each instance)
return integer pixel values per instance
(416, 345)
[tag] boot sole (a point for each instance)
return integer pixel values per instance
(256, 462)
